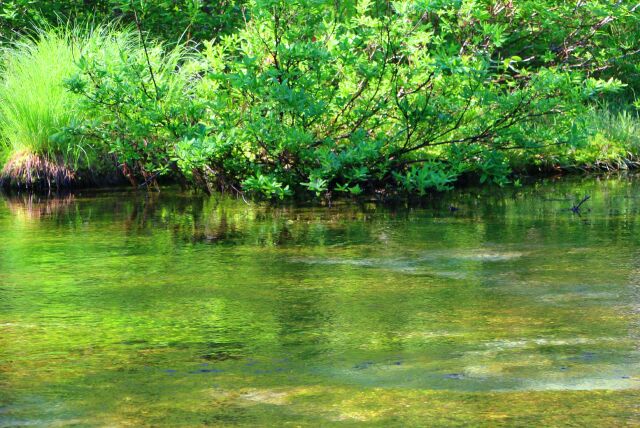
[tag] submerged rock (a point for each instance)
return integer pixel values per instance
(206, 371)
(363, 365)
(267, 396)
(454, 376)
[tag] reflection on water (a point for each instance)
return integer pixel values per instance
(33, 206)
(121, 308)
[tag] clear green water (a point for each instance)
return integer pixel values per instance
(118, 309)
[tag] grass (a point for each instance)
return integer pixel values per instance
(607, 138)
(34, 107)
(613, 140)
(34, 104)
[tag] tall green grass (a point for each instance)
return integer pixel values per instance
(48, 132)
(613, 139)
(34, 104)
(607, 137)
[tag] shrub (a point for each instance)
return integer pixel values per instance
(402, 95)
(322, 97)
(138, 96)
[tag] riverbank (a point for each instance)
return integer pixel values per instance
(307, 108)
(44, 184)
(611, 145)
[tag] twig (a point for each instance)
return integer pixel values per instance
(144, 47)
(149, 180)
(576, 208)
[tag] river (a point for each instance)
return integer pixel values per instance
(475, 308)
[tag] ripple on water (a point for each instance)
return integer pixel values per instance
(512, 297)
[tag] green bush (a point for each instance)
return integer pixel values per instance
(406, 95)
(140, 98)
(369, 96)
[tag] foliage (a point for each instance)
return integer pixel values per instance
(137, 95)
(186, 19)
(168, 19)
(351, 97)
(416, 92)
(427, 176)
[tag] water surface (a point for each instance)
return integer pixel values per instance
(127, 309)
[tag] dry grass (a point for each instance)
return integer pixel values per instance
(25, 170)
